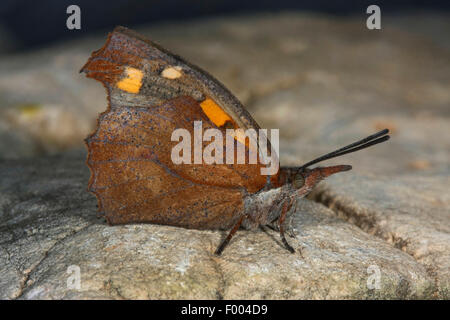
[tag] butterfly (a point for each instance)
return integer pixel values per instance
(153, 92)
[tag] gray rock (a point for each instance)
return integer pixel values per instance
(410, 212)
(49, 226)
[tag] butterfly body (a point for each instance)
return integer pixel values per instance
(264, 207)
(151, 94)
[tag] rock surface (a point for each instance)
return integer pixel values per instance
(49, 227)
(324, 82)
(410, 212)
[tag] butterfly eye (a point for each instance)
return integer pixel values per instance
(299, 181)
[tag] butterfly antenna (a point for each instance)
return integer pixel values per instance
(371, 140)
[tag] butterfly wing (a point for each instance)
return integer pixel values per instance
(135, 180)
(151, 93)
(136, 70)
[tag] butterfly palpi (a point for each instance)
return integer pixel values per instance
(151, 93)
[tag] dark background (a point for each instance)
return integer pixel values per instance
(34, 24)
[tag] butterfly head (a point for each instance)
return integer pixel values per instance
(306, 179)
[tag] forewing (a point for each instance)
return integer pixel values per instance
(135, 69)
(151, 93)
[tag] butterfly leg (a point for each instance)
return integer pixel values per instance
(286, 206)
(230, 235)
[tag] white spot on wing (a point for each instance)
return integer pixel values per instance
(172, 72)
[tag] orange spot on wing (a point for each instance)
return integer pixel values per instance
(133, 81)
(214, 112)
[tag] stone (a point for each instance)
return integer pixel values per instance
(410, 212)
(49, 225)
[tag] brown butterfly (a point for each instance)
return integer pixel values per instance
(151, 93)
